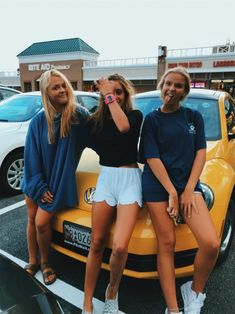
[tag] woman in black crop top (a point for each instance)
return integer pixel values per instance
(115, 128)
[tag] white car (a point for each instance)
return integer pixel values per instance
(6, 92)
(15, 115)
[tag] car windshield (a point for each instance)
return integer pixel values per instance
(90, 102)
(6, 93)
(210, 112)
(147, 104)
(20, 108)
(207, 107)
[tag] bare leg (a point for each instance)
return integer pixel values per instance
(43, 225)
(102, 217)
(31, 231)
(165, 233)
(204, 231)
(126, 219)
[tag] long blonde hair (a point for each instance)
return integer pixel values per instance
(103, 113)
(50, 112)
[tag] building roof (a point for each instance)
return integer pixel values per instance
(58, 46)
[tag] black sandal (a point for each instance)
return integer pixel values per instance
(48, 271)
(32, 269)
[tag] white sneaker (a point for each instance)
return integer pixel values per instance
(192, 302)
(85, 312)
(166, 312)
(111, 305)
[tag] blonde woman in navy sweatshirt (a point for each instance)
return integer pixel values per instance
(54, 144)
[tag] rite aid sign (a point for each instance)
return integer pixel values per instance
(47, 66)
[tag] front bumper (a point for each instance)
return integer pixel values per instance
(137, 266)
(142, 249)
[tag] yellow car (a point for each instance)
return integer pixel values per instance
(72, 228)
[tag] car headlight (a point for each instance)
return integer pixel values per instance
(208, 195)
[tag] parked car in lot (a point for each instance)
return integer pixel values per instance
(6, 92)
(15, 115)
(72, 227)
(21, 293)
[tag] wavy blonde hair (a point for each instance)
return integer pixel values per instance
(103, 113)
(50, 112)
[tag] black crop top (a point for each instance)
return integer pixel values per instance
(114, 148)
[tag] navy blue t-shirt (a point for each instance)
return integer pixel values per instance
(174, 138)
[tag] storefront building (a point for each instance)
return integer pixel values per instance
(66, 55)
(209, 67)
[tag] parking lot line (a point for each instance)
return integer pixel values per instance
(11, 207)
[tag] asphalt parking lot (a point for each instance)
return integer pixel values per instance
(135, 296)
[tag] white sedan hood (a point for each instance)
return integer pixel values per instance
(6, 127)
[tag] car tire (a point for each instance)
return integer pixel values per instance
(11, 173)
(227, 233)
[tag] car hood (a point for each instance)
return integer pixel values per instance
(21, 293)
(215, 149)
(89, 161)
(6, 127)
(41, 303)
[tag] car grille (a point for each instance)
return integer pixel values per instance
(139, 263)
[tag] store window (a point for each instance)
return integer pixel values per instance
(37, 85)
(27, 87)
(74, 85)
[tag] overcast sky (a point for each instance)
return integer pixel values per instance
(115, 28)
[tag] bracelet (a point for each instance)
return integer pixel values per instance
(108, 99)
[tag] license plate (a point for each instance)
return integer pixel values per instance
(77, 235)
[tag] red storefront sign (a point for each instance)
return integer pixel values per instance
(225, 63)
(196, 64)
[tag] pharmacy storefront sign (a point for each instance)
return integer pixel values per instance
(47, 66)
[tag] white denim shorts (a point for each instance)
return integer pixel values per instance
(119, 186)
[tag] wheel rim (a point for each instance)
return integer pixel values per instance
(15, 174)
(226, 239)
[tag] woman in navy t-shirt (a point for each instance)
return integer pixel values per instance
(173, 147)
